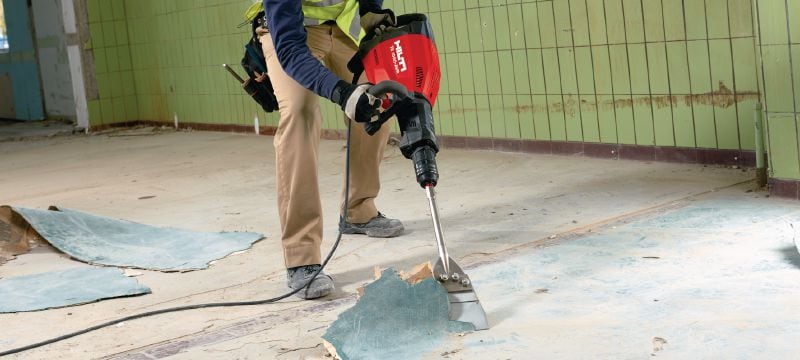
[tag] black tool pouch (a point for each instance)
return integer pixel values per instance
(258, 87)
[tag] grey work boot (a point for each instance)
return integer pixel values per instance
(299, 276)
(378, 227)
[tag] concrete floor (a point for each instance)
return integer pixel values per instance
(572, 257)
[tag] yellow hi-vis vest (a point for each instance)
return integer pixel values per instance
(343, 12)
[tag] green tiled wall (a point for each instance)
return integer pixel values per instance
(779, 45)
(178, 47)
(117, 97)
(648, 72)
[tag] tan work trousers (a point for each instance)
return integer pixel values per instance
(297, 149)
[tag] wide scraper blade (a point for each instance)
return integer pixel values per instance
(464, 303)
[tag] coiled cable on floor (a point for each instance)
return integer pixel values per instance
(218, 304)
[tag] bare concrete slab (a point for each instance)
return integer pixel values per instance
(497, 209)
(711, 277)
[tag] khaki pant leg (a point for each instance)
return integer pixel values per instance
(296, 150)
(366, 152)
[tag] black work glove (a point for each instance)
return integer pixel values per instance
(355, 100)
(377, 20)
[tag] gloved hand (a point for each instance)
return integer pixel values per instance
(378, 20)
(358, 104)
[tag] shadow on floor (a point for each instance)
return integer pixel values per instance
(791, 255)
(14, 130)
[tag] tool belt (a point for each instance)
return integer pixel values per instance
(258, 86)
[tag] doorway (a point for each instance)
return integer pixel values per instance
(20, 84)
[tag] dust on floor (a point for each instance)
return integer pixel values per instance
(496, 208)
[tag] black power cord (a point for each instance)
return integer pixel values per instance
(219, 304)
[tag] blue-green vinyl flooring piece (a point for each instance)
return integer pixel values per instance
(101, 240)
(62, 288)
(395, 320)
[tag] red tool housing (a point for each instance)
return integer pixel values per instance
(407, 55)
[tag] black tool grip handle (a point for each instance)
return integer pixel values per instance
(373, 127)
(388, 87)
(380, 90)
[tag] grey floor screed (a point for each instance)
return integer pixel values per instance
(579, 295)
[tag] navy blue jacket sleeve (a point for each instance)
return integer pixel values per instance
(286, 27)
(366, 6)
(285, 22)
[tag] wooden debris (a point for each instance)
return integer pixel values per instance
(418, 273)
(331, 349)
(414, 276)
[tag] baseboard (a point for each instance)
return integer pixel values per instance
(742, 158)
(789, 189)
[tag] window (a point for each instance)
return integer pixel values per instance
(3, 32)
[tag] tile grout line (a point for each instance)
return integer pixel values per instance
(575, 63)
(494, 52)
(516, 81)
(611, 74)
(733, 71)
(758, 38)
(594, 75)
(527, 78)
(669, 75)
(630, 77)
(544, 75)
(792, 76)
(560, 78)
(649, 82)
(710, 74)
(689, 71)
(471, 66)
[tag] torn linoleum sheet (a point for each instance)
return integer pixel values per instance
(100, 240)
(394, 320)
(66, 288)
(16, 235)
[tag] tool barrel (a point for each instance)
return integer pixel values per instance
(425, 168)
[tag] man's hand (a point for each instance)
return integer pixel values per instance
(378, 20)
(358, 104)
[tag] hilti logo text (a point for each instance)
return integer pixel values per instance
(398, 58)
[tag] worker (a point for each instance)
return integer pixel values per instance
(307, 45)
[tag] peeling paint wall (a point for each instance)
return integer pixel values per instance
(51, 43)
